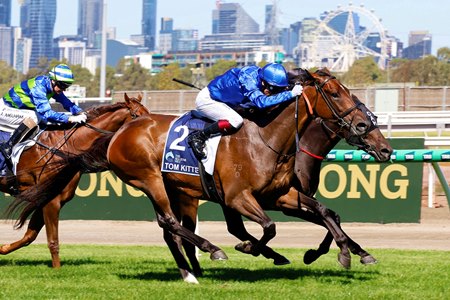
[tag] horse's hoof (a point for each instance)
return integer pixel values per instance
(310, 256)
(244, 247)
(218, 255)
(281, 260)
(189, 278)
(368, 260)
(344, 260)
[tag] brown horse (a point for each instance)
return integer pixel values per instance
(317, 140)
(54, 159)
(256, 163)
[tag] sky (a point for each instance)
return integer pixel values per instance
(398, 17)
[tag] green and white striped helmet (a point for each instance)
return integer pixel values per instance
(61, 73)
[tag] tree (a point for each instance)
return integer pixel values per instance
(220, 67)
(8, 77)
(163, 80)
(363, 72)
(133, 77)
(443, 54)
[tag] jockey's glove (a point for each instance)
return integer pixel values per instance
(81, 118)
(297, 90)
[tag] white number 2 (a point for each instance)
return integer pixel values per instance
(175, 145)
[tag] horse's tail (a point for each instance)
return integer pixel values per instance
(59, 175)
(35, 197)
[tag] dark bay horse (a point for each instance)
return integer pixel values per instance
(54, 159)
(318, 138)
(256, 165)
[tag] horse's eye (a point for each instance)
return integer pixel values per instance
(335, 95)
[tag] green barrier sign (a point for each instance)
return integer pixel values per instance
(358, 189)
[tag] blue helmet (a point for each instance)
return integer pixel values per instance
(274, 74)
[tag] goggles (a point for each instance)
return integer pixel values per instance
(273, 89)
(62, 85)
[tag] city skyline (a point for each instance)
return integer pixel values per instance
(399, 18)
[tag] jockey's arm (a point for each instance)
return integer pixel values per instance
(67, 104)
(39, 96)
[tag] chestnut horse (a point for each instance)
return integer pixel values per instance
(54, 159)
(256, 165)
(50, 192)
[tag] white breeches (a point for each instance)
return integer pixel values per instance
(216, 110)
(11, 118)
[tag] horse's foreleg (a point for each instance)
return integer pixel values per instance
(236, 227)
(34, 227)
(339, 236)
(365, 257)
(246, 205)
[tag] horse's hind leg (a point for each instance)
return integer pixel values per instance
(34, 227)
(174, 243)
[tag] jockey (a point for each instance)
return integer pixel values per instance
(27, 104)
(247, 86)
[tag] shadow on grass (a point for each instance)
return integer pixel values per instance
(265, 274)
(47, 262)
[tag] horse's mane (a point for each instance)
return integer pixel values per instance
(92, 113)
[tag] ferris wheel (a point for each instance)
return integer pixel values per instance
(346, 35)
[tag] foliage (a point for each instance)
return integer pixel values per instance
(130, 75)
(163, 80)
(136, 272)
(220, 67)
(363, 72)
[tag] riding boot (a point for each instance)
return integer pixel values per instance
(6, 147)
(197, 139)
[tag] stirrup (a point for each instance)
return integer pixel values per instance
(196, 141)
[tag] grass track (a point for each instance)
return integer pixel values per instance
(141, 272)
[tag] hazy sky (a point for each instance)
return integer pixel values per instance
(398, 17)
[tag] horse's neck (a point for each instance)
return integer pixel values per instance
(111, 121)
(280, 132)
(317, 140)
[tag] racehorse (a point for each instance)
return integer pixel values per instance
(317, 140)
(256, 165)
(48, 172)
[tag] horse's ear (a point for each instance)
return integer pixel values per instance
(139, 97)
(127, 99)
(299, 75)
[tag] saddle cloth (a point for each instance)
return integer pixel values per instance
(178, 156)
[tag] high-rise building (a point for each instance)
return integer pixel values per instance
(5, 13)
(39, 22)
(6, 44)
(184, 40)
(90, 16)
(232, 18)
(419, 44)
(165, 35)
(149, 23)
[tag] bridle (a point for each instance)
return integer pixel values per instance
(352, 136)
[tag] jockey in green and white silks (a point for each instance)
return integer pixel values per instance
(27, 104)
